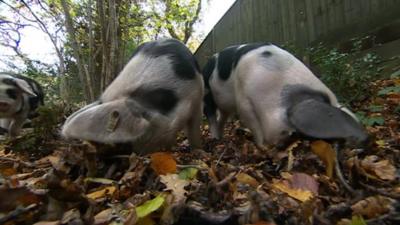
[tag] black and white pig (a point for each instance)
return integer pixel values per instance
(20, 96)
(274, 95)
(158, 93)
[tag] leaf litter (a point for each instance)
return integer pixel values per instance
(230, 181)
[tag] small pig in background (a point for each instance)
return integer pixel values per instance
(20, 96)
(274, 95)
(158, 93)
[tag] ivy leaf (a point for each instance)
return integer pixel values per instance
(149, 206)
(188, 173)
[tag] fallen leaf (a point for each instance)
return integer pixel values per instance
(103, 217)
(110, 190)
(146, 221)
(7, 172)
(176, 185)
(149, 206)
(99, 180)
(373, 206)
(48, 223)
(326, 153)
(304, 182)
(163, 163)
(188, 173)
(382, 169)
(262, 223)
(301, 195)
(247, 179)
(290, 149)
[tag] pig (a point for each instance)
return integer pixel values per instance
(20, 96)
(275, 95)
(157, 94)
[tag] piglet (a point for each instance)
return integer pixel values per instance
(158, 93)
(275, 95)
(20, 96)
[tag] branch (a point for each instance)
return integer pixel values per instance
(189, 25)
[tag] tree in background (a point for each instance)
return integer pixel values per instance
(93, 39)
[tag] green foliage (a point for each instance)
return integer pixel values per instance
(388, 90)
(347, 74)
(370, 120)
(40, 139)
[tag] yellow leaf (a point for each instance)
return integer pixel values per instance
(326, 153)
(380, 143)
(298, 194)
(163, 163)
(247, 179)
(101, 193)
(149, 206)
(290, 154)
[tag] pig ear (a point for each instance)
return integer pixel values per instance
(111, 122)
(25, 87)
(321, 120)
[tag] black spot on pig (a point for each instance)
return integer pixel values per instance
(9, 81)
(245, 49)
(266, 54)
(225, 60)
(12, 93)
(184, 63)
(160, 99)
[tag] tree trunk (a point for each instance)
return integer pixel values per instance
(82, 71)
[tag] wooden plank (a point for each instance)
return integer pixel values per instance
(310, 20)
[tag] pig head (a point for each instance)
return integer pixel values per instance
(157, 94)
(19, 98)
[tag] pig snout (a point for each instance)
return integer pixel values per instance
(4, 106)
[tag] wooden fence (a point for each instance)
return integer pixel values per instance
(301, 22)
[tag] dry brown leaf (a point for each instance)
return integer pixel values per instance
(48, 223)
(176, 185)
(110, 190)
(301, 195)
(304, 182)
(373, 206)
(262, 223)
(163, 163)
(103, 217)
(247, 179)
(382, 169)
(326, 153)
(7, 172)
(290, 149)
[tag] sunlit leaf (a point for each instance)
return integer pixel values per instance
(110, 190)
(247, 179)
(99, 180)
(188, 173)
(357, 220)
(326, 153)
(149, 206)
(301, 195)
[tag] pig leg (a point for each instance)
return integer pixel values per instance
(249, 118)
(212, 122)
(223, 117)
(16, 125)
(4, 125)
(192, 129)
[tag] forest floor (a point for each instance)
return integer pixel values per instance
(227, 182)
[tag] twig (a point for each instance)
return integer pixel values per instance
(376, 190)
(189, 166)
(340, 174)
(14, 214)
(226, 179)
(26, 164)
